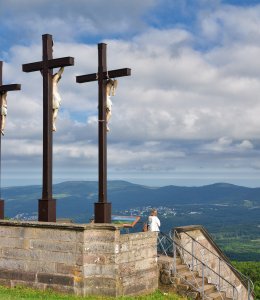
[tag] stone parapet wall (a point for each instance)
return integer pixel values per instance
(197, 241)
(137, 261)
(82, 259)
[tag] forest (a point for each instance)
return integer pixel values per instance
(252, 270)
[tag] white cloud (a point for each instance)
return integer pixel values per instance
(227, 145)
(207, 100)
(68, 19)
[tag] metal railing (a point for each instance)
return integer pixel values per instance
(199, 270)
(221, 265)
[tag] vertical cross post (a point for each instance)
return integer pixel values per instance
(47, 205)
(102, 132)
(102, 208)
(3, 89)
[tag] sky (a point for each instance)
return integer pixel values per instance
(188, 115)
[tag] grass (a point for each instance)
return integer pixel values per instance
(23, 293)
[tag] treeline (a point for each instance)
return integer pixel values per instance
(252, 270)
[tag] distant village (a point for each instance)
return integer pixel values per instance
(144, 211)
(163, 212)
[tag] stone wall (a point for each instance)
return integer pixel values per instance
(197, 241)
(82, 259)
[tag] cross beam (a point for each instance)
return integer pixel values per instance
(4, 88)
(10, 87)
(102, 207)
(109, 74)
(47, 205)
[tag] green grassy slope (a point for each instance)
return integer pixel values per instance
(21, 293)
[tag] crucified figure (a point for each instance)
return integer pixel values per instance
(3, 111)
(111, 86)
(56, 98)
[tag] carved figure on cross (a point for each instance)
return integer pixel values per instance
(3, 111)
(3, 97)
(56, 98)
(111, 86)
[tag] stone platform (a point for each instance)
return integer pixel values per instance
(83, 259)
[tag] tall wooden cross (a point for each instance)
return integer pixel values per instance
(102, 207)
(47, 205)
(4, 89)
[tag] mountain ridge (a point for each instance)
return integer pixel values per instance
(73, 195)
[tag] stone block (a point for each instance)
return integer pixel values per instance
(15, 232)
(17, 275)
(50, 234)
(140, 276)
(63, 289)
(53, 246)
(11, 242)
(68, 269)
(34, 285)
(10, 264)
(94, 259)
(100, 282)
(39, 266)
(134, 289)
(17, 253)
(137, 255)
(100, 270)
(55, 279)
(58, 257)
(99, 247)
(109, 292)
(99, 235)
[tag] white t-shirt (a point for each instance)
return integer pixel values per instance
(153, 223)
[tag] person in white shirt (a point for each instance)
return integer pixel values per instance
(153, 221)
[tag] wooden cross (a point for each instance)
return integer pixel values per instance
(4, 89)
(47, 205)
(102, 207)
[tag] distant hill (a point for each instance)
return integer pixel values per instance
(231, 213)
(77, 197)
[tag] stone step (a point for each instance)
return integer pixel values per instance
(217, 296)
(181, 267)
(187, 274)
(182, 289)
(169, 261)
(197, 281)
(209, 288)
(178, 260)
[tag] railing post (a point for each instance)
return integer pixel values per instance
(219, 288)
(248, 290)
(174, 254)
(192, 257)
(203, 281)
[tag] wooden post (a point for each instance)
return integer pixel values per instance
(102, 208)
(47, 205)
(3, 89)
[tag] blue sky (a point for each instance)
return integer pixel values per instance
(188, 115)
